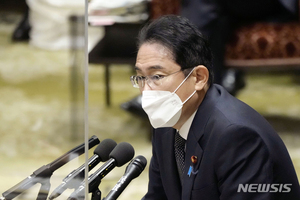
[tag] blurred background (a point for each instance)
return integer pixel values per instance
(42, 88)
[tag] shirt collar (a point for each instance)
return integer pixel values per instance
(184, 130)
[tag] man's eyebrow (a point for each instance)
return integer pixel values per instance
(149, 68)
(136, 68)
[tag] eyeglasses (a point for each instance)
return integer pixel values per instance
(152, 80)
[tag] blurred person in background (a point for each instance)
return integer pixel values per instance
(206, 143)
(46, 24)
(216, 19)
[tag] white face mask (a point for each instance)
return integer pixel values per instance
(163, 107)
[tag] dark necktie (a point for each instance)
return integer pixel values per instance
(179, 152)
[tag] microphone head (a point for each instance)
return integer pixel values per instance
(104, 149)
(140, 161)
(122, 153)
(136, 166)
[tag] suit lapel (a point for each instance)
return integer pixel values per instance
(193, 158)
(170, 171)
(195, 145)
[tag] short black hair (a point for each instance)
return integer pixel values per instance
(188, 46)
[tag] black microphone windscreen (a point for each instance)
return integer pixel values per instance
(104, 149)
(123, 153)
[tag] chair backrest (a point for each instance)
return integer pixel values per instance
(258, 44)
(164, 7)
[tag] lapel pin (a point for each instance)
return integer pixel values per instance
(194, 159)
(191, 171)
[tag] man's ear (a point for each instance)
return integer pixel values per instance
(202, 75)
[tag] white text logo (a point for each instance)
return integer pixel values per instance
(275, 187)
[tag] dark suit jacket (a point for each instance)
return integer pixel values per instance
(233, 144)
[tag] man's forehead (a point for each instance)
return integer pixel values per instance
(153, 56)
(157, 47)
(164, 50)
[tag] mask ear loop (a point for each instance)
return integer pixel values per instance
(189, 97)
(183, 80)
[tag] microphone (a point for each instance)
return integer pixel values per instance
(101, 153)
(42, 174)
(121, 154)
(133, 170)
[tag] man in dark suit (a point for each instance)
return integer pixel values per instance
(216, 19)
(206, 143)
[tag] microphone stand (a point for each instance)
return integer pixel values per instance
(43, 174)
(93, 188)
(96, 194)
